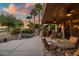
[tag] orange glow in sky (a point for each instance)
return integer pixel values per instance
(12, 8)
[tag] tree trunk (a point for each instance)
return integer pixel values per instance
(34, 19)
(29, 24)
(39, 24)
(39, 18)
(34, 24)
(9, 29)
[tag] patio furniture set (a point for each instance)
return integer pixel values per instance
(64, 46)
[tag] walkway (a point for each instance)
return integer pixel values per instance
(24, 47)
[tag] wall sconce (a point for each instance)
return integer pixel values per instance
(69, 14)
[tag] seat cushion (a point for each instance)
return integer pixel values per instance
(76, 53)
(52, 47)
(70, 52)
(73, 39)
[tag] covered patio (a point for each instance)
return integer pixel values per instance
(65, 36)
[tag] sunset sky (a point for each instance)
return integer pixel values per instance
(19, 10)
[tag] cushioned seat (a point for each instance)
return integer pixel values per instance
(51, 47)
(73, 40)
(76, 52)
(70, 52)
(48, 47)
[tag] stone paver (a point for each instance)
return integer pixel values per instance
(25, 47)
(7, 47)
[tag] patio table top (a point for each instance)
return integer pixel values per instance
(60, 43)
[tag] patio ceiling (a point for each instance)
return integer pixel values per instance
(55, 12)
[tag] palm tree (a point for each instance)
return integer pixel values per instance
(34, 13)
(29, 17)
(38, 8)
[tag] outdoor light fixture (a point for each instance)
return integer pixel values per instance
(72, 11)
(69, 14)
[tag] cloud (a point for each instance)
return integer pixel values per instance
(11, 9)
(20, 11)
(28, 4)
(24, 11)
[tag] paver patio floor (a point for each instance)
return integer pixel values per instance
(25, 47)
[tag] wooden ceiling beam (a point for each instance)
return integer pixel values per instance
(57, 11)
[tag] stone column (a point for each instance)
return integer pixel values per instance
(56, 27)
(62, 30)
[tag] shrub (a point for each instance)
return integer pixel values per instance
(15, 31)
(26, 31)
